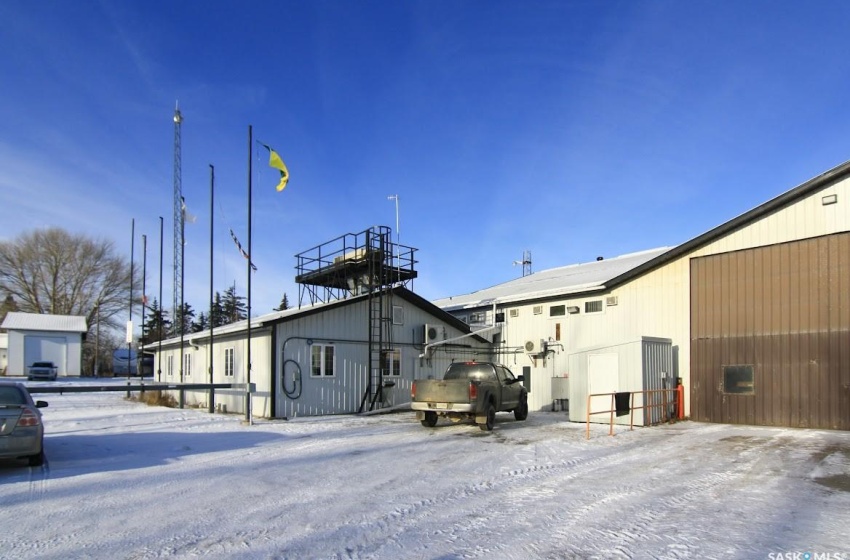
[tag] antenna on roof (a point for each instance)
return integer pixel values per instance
(525, 262)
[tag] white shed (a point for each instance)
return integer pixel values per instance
(631, 367)
(37, 337)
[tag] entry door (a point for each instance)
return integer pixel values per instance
(603, 375)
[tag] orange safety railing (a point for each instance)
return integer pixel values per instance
(674, 398)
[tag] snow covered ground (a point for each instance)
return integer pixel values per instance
(125, 480)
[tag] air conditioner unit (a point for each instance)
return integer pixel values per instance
(431, 333)
(535, 347)
(611, 301)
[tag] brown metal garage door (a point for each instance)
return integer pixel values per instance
(770, 335)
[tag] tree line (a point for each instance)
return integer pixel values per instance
(52, 271)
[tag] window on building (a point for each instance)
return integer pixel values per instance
(738, 380)
(557, 310)
(229, 362)
(477, 318)
(514, 313)
(398, 315)
(187, 365)
(594, 306)
(537, 310)
(392, 363)
(322, 358)
(169, 365)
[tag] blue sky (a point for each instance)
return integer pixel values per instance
(569, 129)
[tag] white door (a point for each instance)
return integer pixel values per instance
(603, 375)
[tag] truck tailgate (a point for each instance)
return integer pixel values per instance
(444, 391)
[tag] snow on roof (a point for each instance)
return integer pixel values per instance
(42, 322)
(583, 277)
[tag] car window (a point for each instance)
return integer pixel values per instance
(11, 395)
(505, 374)
(469, 371)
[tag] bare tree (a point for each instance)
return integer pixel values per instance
(53, 271)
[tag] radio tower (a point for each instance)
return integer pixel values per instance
(177, 296)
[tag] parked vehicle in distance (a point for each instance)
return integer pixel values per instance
(42, 370)
(21, 426)
(470, 391)
(132, 363)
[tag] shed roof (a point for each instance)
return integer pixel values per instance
(553, 282)
(41, 322)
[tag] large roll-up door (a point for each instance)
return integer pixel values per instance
(39, 348)
(770, 335)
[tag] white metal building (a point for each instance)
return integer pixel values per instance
(314, 360)
(757, 310)
(35, 337)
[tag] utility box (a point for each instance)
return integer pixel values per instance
(641, 365)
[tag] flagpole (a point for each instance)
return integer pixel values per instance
(139, 362)
(248, 412)
(210, 318)
(161, 317)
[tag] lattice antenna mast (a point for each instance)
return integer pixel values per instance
(178, 217)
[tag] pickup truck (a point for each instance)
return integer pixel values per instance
(42, 370)
(470, 391)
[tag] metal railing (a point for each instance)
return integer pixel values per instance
(141, 388)
(647, 396)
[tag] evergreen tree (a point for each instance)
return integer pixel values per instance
(217, 312)
(201, 324)
(233, 306)
(183, 321)
(284, 303)
(157, 323)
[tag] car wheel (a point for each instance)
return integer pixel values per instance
(521, 412)
(491, 418)
(36, 460)
(430, 419)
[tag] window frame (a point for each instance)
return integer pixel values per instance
(187, 364)
(391, 366)
(323, 368)
(229, 361)
(739, 376)
(588, 311)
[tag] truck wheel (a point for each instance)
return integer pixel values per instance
(491, 418)
(521, 412)
(430, 419)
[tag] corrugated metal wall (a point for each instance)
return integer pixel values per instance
(785, 310)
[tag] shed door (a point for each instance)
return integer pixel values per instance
(39, 348)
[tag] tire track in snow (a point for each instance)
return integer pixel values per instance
(381, 534)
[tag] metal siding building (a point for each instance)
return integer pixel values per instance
(37, 337)
(282, 354)
(787, 257)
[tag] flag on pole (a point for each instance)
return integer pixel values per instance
(187, 217)
(277, 163)
(241, 250)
